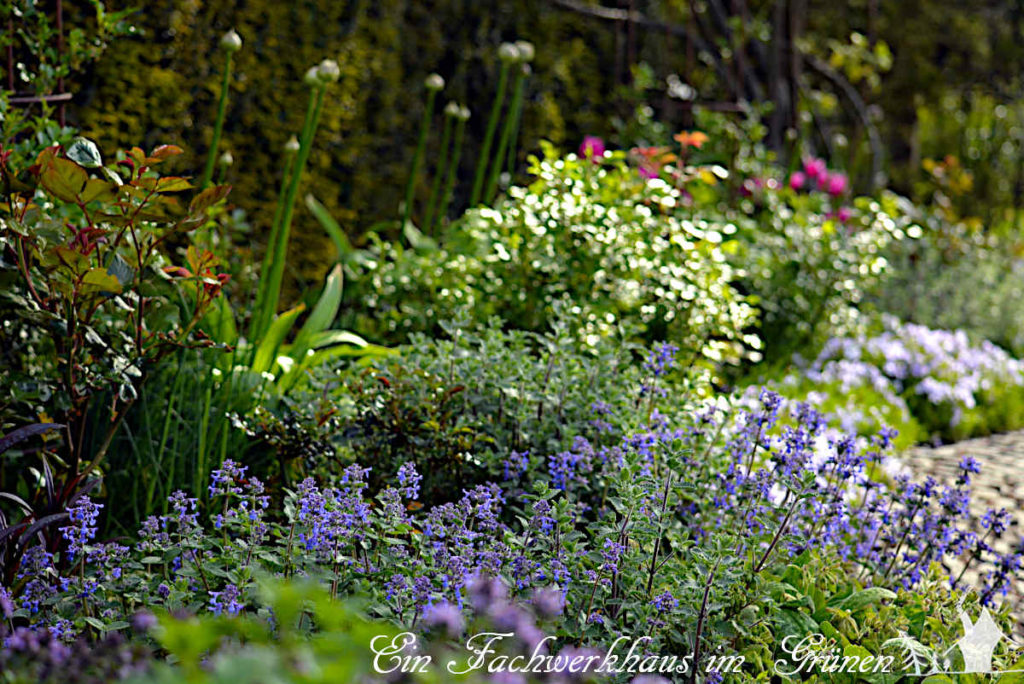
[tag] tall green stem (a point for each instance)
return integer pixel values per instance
(506, 132)
(266, 307)
(492, 125)
(439, 169)
(453, 170)
(218, 124)
(275, 227)
(410, 186)
(514, 140)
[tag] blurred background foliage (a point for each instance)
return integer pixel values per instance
(921, 88)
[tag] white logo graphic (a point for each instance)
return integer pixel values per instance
(975, 647)
(979, 642)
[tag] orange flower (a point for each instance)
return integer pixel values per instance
(691, 139)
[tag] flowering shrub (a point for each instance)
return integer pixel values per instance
(95, 301)
(809, 260)
(953, 388)
(597, 236)
(485, 403)
(708, 515)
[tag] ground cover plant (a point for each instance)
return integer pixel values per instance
(649, 386)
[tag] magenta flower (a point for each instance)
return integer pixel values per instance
(798, 180)
(834, 184)
(843, 214)
(648, 172)
(750, 186)
(592, 147)
(816, 169)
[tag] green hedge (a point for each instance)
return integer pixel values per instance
(163, 86)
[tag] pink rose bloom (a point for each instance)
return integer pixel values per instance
(844, 214)
(835, 184)
(798, 180)
(592, 147)
(815, 168)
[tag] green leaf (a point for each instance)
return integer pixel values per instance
(94, 622)
(207, 198)
(322, 315)
(219, 322)
(864, 597)
(63, 179)
(98, 280)
(98, 190)
(419, 242)
(173, 184)
(333, 229)
(84, 151)
(120, 269)
(266, 350)
(76, 261)
(330, 338)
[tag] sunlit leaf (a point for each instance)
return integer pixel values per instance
(84, 151)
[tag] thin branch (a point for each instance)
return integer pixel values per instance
(642, 20)
(859, 106)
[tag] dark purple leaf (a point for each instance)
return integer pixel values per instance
(23, 433)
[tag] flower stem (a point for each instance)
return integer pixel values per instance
(414, 168)
(435, 188)
(453, 170)
(506, 132)
(218, 124)
(492, 125)
(266, 307)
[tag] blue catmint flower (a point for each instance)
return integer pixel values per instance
(516, 465)
(665, 602)
(82, 529)
(661, 359)
(410, 480)
(446, 616)
(969, 464)
(226, 601)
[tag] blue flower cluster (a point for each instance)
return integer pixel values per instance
(940, 366)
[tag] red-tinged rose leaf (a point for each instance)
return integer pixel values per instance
(96, 189)
(162, 154)
(137, 156)
(169, 204)
(207, 198)
(62, 178)
(43, 158)
(78, 263)
(173, 184)
(113, 219)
